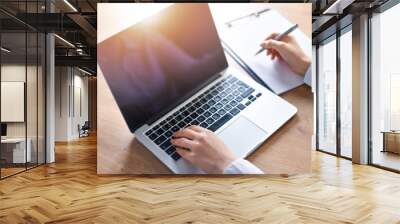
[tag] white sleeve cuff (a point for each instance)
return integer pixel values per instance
(242, 166)
(307, 76)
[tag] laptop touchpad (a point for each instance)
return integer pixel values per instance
(242, 136)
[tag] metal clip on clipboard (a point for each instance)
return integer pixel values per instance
(255, 14)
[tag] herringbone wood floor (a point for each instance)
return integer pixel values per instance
(69, 191)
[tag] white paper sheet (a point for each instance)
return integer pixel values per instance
(244, 38)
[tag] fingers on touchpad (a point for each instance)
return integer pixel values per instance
(242, 136)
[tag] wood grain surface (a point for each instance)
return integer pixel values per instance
(286, 152)
(70, 191)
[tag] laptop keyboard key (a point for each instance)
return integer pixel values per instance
(194, 115)
(207, 114)
(175, 129)
(176, 156)
(159, 131)
(247, 93)
(179, 117)
(188, 120)
(153, 136)
(201, 118)
(234, 111)
(166, 126)
(170, 150)
(220, 122)
(241, 106)
(181, 124)
(165, 145)
(236, 93)
(213, 109)
(205, 107)
(192, 108)
(160, 140)
(228, 107)
(239, 98)
(199, 111)
(233, 103)
(221, 112)
(209, 121)
(168, 134)
(185, 113)
(216, 116)
(172, 122)
(204, 125)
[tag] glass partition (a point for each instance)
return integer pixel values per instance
(14, 144)
(327, 96)
(385, 90)
(23, 91)
(346, 93)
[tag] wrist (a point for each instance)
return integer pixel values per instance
(225, 163)
(305, 64)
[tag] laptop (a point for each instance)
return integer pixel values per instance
(169, 71)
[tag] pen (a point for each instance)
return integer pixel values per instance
(280, 36)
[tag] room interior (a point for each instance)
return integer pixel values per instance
(48, 163)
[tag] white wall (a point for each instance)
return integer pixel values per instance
(62, 81)
(16, 72)
(71, 92)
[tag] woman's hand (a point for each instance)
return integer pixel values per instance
(203, 148)
(288, 50)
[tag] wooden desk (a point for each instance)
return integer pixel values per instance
(288, 151)
(16, 154)
(391, 141)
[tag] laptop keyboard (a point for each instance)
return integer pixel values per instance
(211, 110)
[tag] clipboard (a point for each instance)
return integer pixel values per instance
(241, 38)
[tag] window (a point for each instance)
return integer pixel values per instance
(346, 93)
(327, 97)
(385, 89)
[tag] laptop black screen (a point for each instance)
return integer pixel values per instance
(152, 65)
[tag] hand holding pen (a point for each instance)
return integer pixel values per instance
(280, 36)
(287, 49)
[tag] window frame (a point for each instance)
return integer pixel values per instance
(334, 37)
